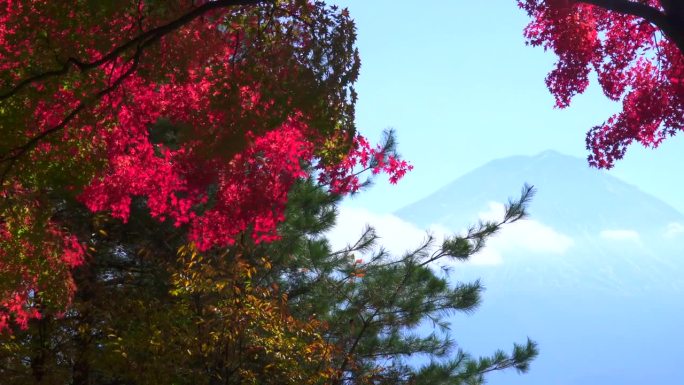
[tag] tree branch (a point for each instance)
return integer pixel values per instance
(140, 43)
(627, 7)
(671, 24)
(150, 36)
(20, 151)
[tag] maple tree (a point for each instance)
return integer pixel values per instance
(636, 49)
(206, 110)
(166, 171)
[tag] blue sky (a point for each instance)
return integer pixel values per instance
(460, 87)
(456, 81)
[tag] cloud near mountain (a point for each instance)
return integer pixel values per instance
(526, 236)
(396, 235)
(674, 230)
(595, 274)
(399, 236)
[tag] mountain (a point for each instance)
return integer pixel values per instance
(602, 294)
(622, 239)
(570, 195)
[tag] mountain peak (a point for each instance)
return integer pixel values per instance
(549, 154)
(622, 251)
(570, 195)
(558, 156)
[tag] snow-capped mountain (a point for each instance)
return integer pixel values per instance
(595, 275)
(586, 229)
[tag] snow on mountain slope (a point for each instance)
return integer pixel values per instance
(595, 275)
(586, 229)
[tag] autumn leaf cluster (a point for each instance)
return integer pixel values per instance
(167, 170)
(635, 48)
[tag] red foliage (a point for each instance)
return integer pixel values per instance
(634, 63)
(239, 148)
(343, 177)
(29, 268)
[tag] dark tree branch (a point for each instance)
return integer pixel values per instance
(671, 23)
(45, 75)
(20, 151)
(150, 36)
(140, 43)
(366, 322)
(628, 7)
(674, 8)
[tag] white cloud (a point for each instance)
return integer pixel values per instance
(673, 230)
(399, 236)
(396, 235)
(620, 235)
(489, 256)
(528, 236)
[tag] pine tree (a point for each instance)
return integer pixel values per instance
(373, 303)
(152, 309)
